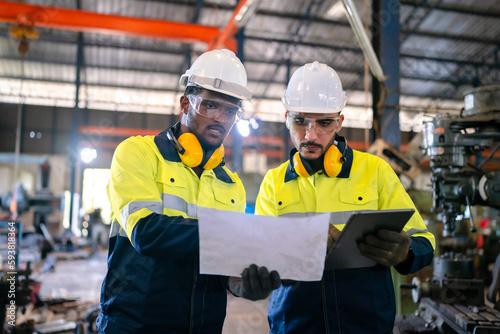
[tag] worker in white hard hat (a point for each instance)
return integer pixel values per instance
(325, 175)
(153, 284)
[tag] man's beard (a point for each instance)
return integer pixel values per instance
(192, 124)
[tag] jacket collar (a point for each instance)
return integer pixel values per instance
(168, 151)
(290, 173)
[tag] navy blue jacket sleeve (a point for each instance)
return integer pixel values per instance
(420, 255)
(173, 237)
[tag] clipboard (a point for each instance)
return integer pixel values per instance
(345, 253)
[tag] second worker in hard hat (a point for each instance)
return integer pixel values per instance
(324, 174)
(153, 284)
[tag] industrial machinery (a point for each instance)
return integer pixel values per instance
(42, 203)
(450, 142)
(453, 300)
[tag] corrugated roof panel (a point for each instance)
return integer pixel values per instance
(127, 78)
(263, 51)
(281, 27)
(433, 47)
(429, 88)
(283, 5)
(150, 61)
(256, 71)
(8, 47)
(427, 68)
(54, 52)
(38, 71)
(213, 16)
(457, 23)
(351, 80)
(52, 3)
(332, 34)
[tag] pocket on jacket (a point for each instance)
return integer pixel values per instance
(286, 202)
(170, 182)
(359, 198)
(228, 199)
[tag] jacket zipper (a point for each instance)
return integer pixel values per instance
(195, 277)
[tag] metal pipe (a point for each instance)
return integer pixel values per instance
(362, 38)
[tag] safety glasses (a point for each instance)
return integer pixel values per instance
(216, 108)
(298, 123)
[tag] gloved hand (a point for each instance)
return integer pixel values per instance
(386, 247)
(255, 283)
(333, 234)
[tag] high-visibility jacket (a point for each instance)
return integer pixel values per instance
(153, 284)
(345, 301)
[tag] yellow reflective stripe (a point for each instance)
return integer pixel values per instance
(180, 204)
(116, 230)
(135, 206)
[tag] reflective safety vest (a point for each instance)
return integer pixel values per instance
(153, 283)
(351, 300)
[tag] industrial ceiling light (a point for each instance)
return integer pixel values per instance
(243, 127)
(88, 154)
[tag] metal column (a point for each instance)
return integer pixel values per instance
(385, 32)
(286, 132)
(237, 166)
(74, 156)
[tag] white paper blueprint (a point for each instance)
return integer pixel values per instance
(231, 241)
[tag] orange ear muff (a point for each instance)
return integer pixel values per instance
(193, 155)
(331, 162)
(215, 159)
(301, 167)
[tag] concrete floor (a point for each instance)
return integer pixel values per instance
(82, 279)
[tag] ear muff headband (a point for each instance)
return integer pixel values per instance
(191, 153)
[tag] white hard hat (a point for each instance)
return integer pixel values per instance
(314, 88)
(220, 71)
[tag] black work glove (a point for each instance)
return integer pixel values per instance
(255, 283)
(386, 247)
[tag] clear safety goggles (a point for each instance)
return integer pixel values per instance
(301, 124)
(215, 108)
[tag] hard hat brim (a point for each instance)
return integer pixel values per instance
(217, 85)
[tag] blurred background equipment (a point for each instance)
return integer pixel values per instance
(402, 165)
(42, 203)
(453, 301)
(450, 142)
